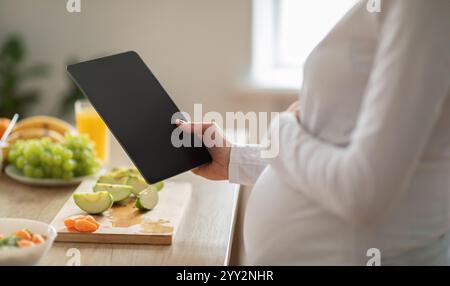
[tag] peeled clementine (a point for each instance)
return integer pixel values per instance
(83, 225)
(25, 243)
(70, 222)
(24, 234)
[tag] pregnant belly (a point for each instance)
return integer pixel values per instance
(282, 227)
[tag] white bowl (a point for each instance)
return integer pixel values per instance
(28, 255)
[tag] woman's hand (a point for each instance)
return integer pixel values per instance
(220, 152)
(294, 108)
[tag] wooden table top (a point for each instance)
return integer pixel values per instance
(204, 237)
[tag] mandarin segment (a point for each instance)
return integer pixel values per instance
(23, 234)
(24, 243)
(37, 238)
(70, 221)
(73, 223)
(84, 225)
(92, 219)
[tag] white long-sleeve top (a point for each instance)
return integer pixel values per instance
(367, 165)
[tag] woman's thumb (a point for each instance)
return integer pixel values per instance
(193, 127)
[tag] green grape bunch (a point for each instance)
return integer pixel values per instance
(42, 158)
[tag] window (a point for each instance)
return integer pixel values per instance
(284, 33)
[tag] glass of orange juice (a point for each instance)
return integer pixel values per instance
(90, 123)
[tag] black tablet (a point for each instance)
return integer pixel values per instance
(139, 113)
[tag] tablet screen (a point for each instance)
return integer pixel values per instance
(138, 112)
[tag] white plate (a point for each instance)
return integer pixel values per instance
(30, 255)
(14, 173)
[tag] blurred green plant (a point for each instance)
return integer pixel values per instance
(13, 98)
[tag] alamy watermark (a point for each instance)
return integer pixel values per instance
(373, 6)
(375, 257)
(256, 125)
(73, 6)
(74, 255)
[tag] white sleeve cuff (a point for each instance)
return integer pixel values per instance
(245, 164)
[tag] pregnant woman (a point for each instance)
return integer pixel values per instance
(365, 161)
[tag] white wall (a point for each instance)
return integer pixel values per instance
(199, 49)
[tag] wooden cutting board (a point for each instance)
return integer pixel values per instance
(127, 225)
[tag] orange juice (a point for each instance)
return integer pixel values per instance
(90, 123)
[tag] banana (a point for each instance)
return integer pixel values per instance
(33, 133)
(44, 122)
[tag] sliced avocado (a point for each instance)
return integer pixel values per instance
(135, 171)
(147, 199)
(115, 169)
(94, 203)
(137, 183)
(159, 186)
(108, 179)
(119, 174)
(118, 192)
(123, 171)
